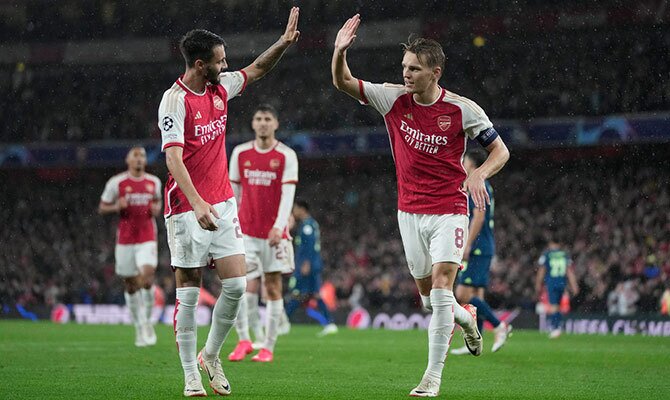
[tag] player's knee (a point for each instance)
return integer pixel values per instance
(273, 285)
(148, 278)
(147, 282)
(130, 285)
(443, 282)
(234, 288)
(274, 292)
(188, 277)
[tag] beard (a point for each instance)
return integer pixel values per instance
(213, 76)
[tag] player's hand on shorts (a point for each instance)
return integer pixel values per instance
(475, 185)
(122, 203)
(274, 237)
(155, 208)
(292, 33)
(347, 34)
(206, 216)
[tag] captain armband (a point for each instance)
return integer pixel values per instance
(487, 136)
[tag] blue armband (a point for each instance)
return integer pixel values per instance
(487, 136)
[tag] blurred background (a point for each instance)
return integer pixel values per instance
(579, 90)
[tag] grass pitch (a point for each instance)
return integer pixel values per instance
(44, 360)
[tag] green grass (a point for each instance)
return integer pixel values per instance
(44, 360)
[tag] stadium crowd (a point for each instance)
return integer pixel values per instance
(35, 20)
(518, 73)
(612, 215)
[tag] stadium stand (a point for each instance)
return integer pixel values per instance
(519, 60)
(575, 66)
(612, 216)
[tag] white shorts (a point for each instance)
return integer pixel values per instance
(429, 239)
(192, 246)
(262, 258)
(131, 257)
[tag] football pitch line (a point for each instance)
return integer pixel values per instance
(45, 360)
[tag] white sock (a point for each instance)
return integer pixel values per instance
(225, 313)
(274, 310)
(440, 330)
(242, 321)
(254, 317)
(464, 318)
(185, 329)
(148, 298)
(426, 302)
(134, 303)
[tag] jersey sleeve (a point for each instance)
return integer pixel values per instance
(171, 116)
(285, 205)
(158, 193)
(475, 120)
(380, 96)
(233, 82)
(111, 192)
(542, 260)
(234, 168)
(290, 174)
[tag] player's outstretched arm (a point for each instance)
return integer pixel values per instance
(498, 156)
(342, 78)
(204, 212)
(270, 57)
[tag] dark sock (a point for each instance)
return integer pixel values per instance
(484, 310)
(324, 310)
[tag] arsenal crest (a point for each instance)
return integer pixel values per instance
(149, 187)
(274, 163)
(444, 122)
(218, 103)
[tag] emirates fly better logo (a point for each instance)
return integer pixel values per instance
(418, 140)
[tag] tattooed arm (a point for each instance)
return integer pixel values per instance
(270, 57)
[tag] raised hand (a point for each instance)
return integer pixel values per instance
(292, 33)
(346, 35)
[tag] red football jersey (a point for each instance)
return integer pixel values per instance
(197, 122)
(261, 174)
(428, 143)
(136, 223)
